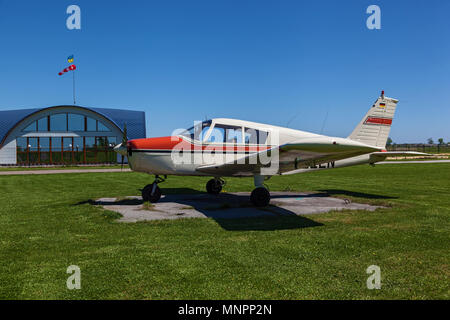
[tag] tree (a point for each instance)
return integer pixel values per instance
(441, 141)
(430, 141)
(389, 141)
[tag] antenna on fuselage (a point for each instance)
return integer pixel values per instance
(287, 124)
(324, 121)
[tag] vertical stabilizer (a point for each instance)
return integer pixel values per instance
(374, 128)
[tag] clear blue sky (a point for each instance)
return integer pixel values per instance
(265, 61)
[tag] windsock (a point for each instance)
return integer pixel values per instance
(69, 68)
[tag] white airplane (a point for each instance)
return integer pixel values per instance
(237, 148)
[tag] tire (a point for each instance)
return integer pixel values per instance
(260, 197)
(147, 193)
(213, 186)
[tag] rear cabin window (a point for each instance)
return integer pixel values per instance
(253, 136)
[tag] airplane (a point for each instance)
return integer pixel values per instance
(236, 148)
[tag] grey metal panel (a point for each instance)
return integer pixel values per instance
(135, 120)
(8, 153)
(8, 119)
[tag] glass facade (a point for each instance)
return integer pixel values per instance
(42, 124)
(67, 122)
(95, 148)
(75, 122)
(91, 124)
(66, 150)
(58, 122)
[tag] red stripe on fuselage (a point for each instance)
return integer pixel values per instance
(375, 120)
(177, 143)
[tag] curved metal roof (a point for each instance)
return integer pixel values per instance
(135, 120)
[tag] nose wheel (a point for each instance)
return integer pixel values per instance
(214, 186)
(152, 192)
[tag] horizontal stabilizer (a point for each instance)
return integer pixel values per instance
(380, 156)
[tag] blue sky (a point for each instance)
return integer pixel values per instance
(274, 62)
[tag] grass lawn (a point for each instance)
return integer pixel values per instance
(47, 224)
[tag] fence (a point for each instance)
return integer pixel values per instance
(427, 148)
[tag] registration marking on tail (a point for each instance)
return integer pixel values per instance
(377, 120)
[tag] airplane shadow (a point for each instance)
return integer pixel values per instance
(334, 192)
(233, 212)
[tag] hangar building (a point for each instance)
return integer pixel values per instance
(65, 134)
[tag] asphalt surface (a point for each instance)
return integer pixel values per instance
(227, 206)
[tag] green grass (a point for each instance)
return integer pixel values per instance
(47, 224)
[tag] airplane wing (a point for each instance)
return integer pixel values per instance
(288, 157)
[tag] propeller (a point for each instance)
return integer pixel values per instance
(124, 142)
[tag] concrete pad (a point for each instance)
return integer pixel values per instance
(227, 206)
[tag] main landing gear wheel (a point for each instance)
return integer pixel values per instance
(152, 192)
(260, 197)
(214, 186)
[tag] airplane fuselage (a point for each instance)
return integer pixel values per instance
(297, 151)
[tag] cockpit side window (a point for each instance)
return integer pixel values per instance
(253, 136)
(227, 134)
(217, 135)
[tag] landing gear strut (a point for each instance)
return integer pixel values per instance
(152, 192)
(260, 196)
(214, 186)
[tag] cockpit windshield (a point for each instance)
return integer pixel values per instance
(198, 131)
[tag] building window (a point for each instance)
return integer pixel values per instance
(33, 150)
(102, 127)
(78, 149)
(76, 122)
(44, 150)
(22, 150)
(42, 124)
(31, 127)
(66, 150)
(91, 124)
(56, 150)
(67, 122)
(58, 122)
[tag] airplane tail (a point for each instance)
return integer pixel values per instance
(375, 126)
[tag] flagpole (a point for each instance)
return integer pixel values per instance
(73, 78)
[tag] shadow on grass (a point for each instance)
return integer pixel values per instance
(122, 202)
(267, 223)
(233, 212)
(335, 192)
